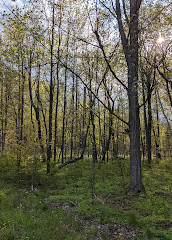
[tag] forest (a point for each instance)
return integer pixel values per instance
(86, 119)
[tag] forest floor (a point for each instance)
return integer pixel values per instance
(61, 205)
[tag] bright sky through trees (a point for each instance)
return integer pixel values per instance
(10, 3)
(77, 57)
(160, 39)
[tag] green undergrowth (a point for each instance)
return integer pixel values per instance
(39, 214)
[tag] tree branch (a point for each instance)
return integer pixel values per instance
(125, 12)
(107, 62)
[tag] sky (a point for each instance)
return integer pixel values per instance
(10, 3)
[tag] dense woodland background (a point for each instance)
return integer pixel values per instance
(64, 76)
(83, 80)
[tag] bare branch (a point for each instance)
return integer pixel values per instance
(70, 161)
(122, 32)
(82, 153)
(113, 14)
(80, 39)
(125, 12)
(162, 108)
(107, 62)
(89, 89)
(72, 71)
(167, 84)
(103, 120)
(155, 17)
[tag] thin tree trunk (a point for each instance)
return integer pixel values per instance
(94, 148)
(92, 102)
(144, 109)
(149, 124)
(64, 102)
(39, 104)
(64, 118)
(83, 150)
(6, 114)
(83, 117)
(72, 123)
(22, 104)
(157, 136)
(36, 109)
(56, 112)
(2, 120)
(76, 116)
(106, 148)
(100, 132)
(49, 151)
(18, 126)
(57, 94)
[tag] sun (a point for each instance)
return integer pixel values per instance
(160, 39)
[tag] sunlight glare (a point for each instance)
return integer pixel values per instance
(160, 39)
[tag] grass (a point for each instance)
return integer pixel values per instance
(49, 211)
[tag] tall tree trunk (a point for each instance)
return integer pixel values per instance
(158, 151)
(36, 109)
(143, 136)
(104, 130)
(57, 94)
(22, 104)
(106, 148)
(2, 115)
(19, 125)
(83, 117)
(72, 123)
(39, 103)
(130, 47)
(6, 113)
(147, 115)
(94, 148)
(49, 151)
(92, 102)
(149, 124)
(100, 132)
(64, 101)
(3, 110)
(56, 111)
(64, 117)
(76, 116)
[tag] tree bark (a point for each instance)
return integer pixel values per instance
(130, 47)
(36, 109)
(64, 101)
(149, 125)
(58, 88)
(49, 150)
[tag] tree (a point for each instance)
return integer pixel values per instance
(64, 63)
(130, 47)
(51, 91)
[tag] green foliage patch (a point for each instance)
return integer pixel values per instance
(39, 215)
